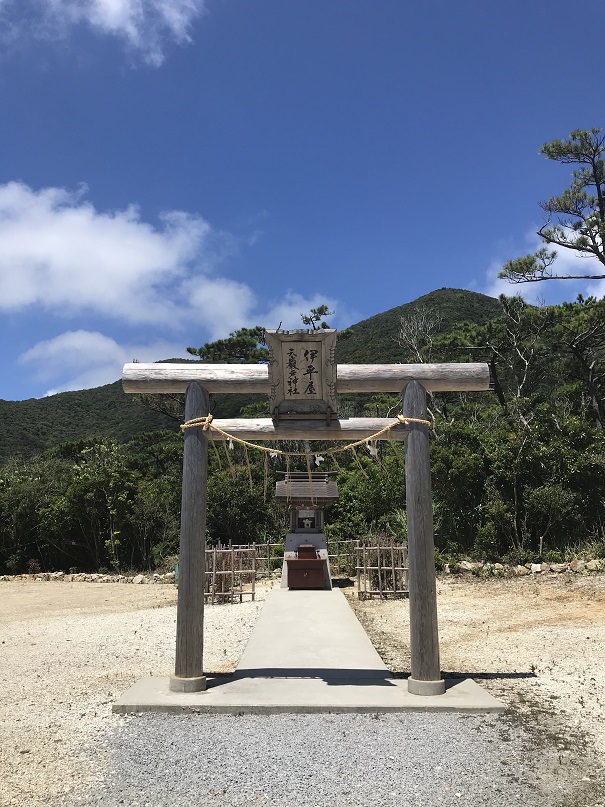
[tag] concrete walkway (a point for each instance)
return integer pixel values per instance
(307, 653)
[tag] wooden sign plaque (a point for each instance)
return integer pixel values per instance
(302, 374)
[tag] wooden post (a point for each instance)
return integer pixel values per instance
(365, 571)
(253, 572)
(425, 678)
(214, 562)
(232, 574)
(241, 575)
(188, 672)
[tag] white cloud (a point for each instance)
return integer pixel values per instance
(84, 359)
(221, 305)
(494, 286)
(225, 305)
(57, 251)
(61, 256)
(145, 26)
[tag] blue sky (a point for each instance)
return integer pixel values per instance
(171, 171)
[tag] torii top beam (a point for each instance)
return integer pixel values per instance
(254, 378)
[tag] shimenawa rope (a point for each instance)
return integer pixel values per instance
(207, 424)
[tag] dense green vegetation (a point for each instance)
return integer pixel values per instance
(518, 473)
(29, 427)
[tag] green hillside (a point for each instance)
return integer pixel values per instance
(29, 427)
(373, 339)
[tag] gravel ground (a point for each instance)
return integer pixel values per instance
(69, 649)
(316, 761)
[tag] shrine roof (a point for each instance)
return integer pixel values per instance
(305, 488)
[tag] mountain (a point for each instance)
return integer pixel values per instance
(29, 427)
(373, 339)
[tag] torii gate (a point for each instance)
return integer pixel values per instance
(412, 380)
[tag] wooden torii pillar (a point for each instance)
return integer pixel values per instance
(415, 380)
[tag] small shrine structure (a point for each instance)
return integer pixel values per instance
(306, 562)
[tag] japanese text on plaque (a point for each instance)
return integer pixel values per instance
(302, 361)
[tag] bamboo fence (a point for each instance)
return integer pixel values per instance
(382, 571)
(232, 571)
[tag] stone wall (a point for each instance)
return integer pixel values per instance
(81, 577)
(484, 569)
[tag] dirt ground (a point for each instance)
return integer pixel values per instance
(29, 599)
(67, 650)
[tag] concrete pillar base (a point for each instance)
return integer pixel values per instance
(416, 687)
(187, 684)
